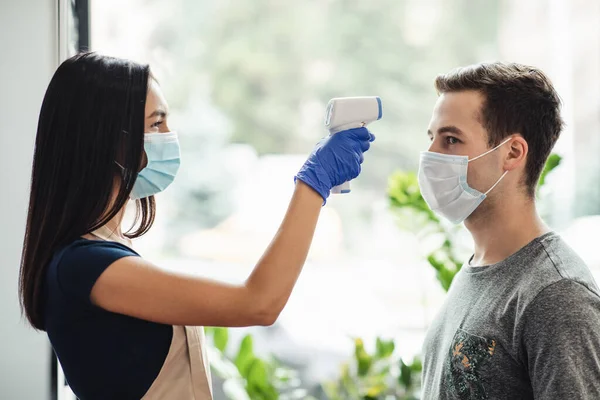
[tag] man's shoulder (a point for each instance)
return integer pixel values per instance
(557, 261)
(554, 267)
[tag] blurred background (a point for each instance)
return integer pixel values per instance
(248, 82)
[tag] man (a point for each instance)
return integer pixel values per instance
(522, 317)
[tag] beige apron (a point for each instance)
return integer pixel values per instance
(185, 374)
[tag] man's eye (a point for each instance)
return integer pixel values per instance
(451, 140)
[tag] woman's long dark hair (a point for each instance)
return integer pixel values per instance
(92, 118)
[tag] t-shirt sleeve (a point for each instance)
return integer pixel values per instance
(561, 340)
(83, 262)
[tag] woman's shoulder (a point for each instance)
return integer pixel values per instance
(82, 246)
(76, 266)
(85, 251)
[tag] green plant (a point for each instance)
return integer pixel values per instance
(414, 214)
(375, 376)
(552, 162)
(249, 377)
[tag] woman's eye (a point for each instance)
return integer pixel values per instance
(157, 124)
(451, 140)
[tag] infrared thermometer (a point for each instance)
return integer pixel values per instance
(351, 112)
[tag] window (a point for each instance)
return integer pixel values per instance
(248, 82)
(72, 36)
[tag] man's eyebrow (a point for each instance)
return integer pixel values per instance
(446, 129)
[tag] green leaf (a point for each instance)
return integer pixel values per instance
(363, 359)
(404, 192)
(209, 330)
(245, 355)
(434, 262)
(221, 338)
(406, 375)
(552, 162)
(257, 374)
(375, 391)
(332, 390)
(258, 383)
(384, 348)
(446, 266)
(417, 365)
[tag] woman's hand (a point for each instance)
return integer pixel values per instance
(335, 159)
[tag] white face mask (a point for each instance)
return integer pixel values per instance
(443, 183)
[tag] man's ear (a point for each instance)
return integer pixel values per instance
(517, 152)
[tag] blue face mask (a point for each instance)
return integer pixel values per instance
(162, 151)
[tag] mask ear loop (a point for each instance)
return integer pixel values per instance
(124, 173)
(489, 151)
(497, 182)
(485, 154)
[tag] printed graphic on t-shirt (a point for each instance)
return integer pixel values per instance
(467, 355)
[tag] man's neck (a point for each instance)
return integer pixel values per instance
(503, 230)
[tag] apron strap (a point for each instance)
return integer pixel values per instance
(200, 369)
(108, 235)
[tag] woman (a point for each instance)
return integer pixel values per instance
(121, 327)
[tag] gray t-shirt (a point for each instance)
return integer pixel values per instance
(525, 328)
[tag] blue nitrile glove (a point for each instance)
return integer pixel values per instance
(335, 160)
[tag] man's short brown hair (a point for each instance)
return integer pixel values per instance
(518, 99)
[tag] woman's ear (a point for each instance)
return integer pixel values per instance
(517, 152)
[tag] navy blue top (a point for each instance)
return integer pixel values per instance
(104, 355)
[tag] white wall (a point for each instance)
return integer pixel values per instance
(28, 58)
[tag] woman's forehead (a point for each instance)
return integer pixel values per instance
(155, 98)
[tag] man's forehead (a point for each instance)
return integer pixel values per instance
(466, 103)
(457, 109)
